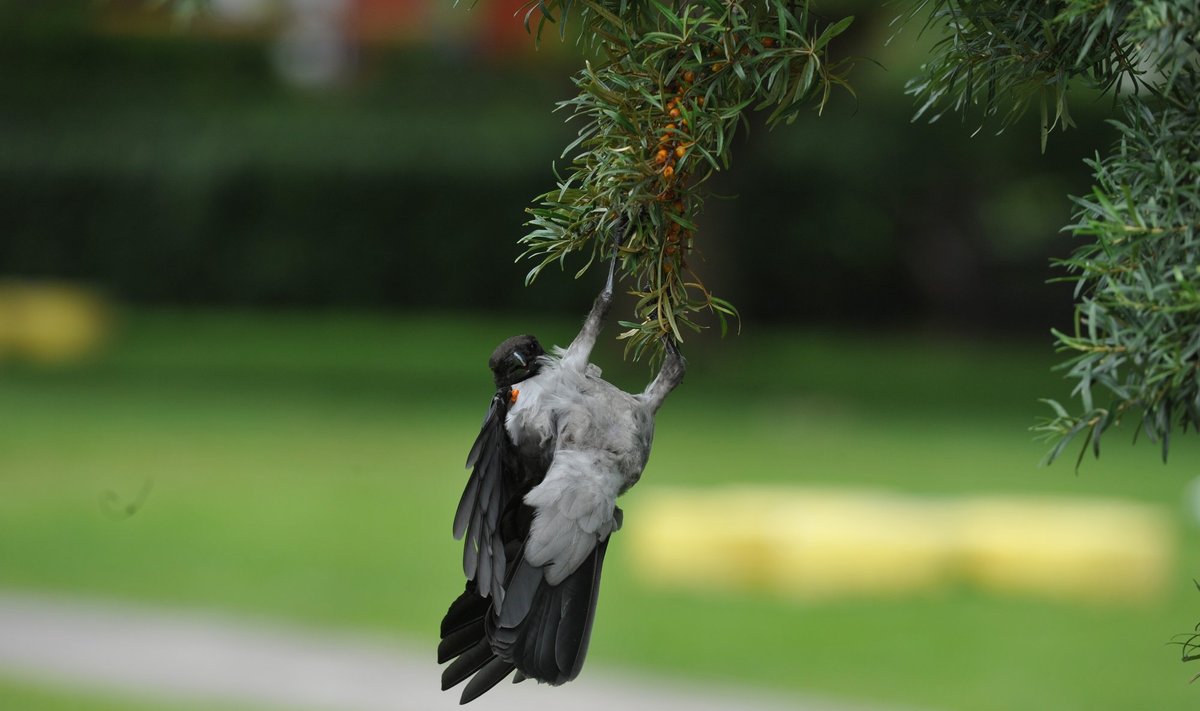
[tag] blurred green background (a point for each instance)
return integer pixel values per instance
(310, 254)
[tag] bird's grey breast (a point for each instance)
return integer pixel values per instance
(530, 420)
(567, 409)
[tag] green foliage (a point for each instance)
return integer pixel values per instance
(1189, 643)
(1002, 57)
(1137, 325)
(1134, 349)
(999, 57)
(659, 112)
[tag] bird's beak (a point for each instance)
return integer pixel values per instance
(519, 358)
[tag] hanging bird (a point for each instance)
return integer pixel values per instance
(558, 445)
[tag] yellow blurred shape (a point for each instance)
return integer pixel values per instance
(692, 537)
(50, 322)
(834, 544)
(826, 543)
(1096, 549)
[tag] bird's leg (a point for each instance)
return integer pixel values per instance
(618, 237)
(581, 348)
(670, 374)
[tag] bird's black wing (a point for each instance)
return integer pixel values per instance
(485, 498)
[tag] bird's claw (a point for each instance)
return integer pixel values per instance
(619, 232)
(671, 346)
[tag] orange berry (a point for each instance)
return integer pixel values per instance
(689, 76)
(674, 113)
(668, 172)
(718, 66)
(514, 394)
(700, 101)
(670, 127)
(680, 152)
(661, 156)
(768, 42)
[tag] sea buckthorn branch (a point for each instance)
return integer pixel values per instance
(1133, 352)
(659, 112)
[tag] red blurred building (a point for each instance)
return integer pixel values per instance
(494, 27)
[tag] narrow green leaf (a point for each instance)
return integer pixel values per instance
(832, 31)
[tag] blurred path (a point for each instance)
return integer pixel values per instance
(167, 654)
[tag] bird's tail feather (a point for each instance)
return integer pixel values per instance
(542, 630)
(546, 633)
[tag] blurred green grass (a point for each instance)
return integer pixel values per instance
(306, 467)
(25, 696)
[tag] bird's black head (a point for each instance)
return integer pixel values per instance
(515, 360)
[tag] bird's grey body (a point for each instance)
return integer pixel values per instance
(558, 446)
(599, 439)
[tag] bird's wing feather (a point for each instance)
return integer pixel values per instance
(573, 511)
(469, 662)
(483, 501)
(488, 676)
(486, 457)
(463, 625)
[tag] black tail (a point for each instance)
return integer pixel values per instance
(542, 630)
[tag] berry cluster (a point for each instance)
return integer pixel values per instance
(672, 144)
